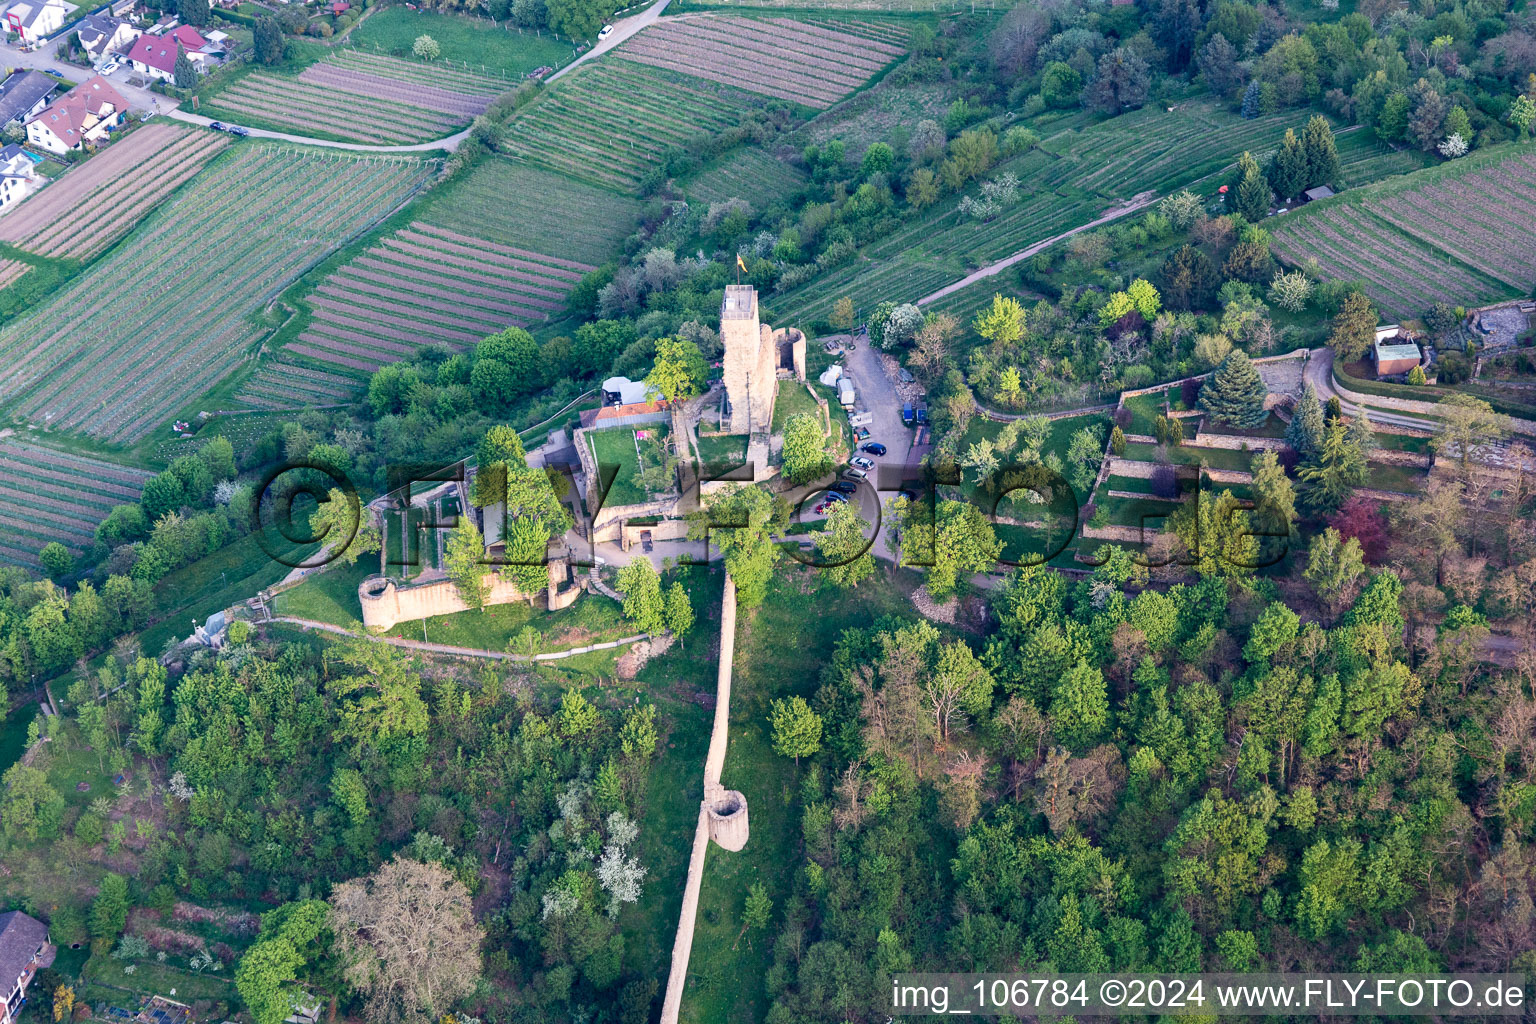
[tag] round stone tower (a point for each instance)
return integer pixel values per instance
(727, 810)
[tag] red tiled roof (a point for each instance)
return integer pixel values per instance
(160, 51)
(66, 117)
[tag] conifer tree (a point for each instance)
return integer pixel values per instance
(1235, 393)
(1305, 434)
(1252, 194)
(1336, 471)
(1251, 100)
(1322, 155)
(1289, 168)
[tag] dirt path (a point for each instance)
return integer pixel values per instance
(622, 30)
(466, 652)
(1140, 202)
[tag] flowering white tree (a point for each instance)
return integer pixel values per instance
(1290, 291)
(1454, 146)
(618, 874)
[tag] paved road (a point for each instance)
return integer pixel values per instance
(44, 60)
(1319, 374)
(450, 143)
(622, 30)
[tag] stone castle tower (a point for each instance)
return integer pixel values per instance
(751, 377)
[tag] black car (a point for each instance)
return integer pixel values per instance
(219, 126)
(845, 486)
(874, 448)
(237, 130)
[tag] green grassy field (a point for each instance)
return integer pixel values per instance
(749, 174)
(329, 596)
(616, 446)
(1217, 458)
(728, 449)
(486, 46)
(592, 619)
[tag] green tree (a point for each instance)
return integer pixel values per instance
(499, 452)
(1060, 84)
(805, 449)
(1003, 321)
(271, 47)
(464, 562)
(1274, 504)
(184, 72)
(842, 549)
(290, 938)
(1354, 328)
(1334, 473)
(193, 12)
(644, 603)
(1120, 82)
(506, 367)
(758, 909)
(959, 541)
(30, 808)
(1392, 119)
(1335, 568)
(1189, 279)
(841, 317)
(743, 520)
(1235, 393)
(1305, 432)
(344, 527)
(1323, 167)
(1467, 425)
(679, 611)
(679, 371)
(578, 19)
(1522, 113)
(56, 560)
(1288, 167)
(1416, 377)
(796, 728)
(1080, 706)
(109, 910)
(1249, 193)
(1217, 535)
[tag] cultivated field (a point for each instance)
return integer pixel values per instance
(1460, 233)
(143, 333)
(362, 96)
(11, 271)
(425, 285)
(607, 123)
(48, 495)
(532, 208)
(789, 60)
(98, 202)
(284, 385)
(749, 174)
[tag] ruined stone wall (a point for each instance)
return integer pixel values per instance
(387, 603)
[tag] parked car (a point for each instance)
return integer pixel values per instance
(875, 448)
(822, 508)
(861, 434)
(862, 463)
(906, 493)
(845, 487)
(906, 413)
(835, 496)
(110, 66)
(605, 33)
(855, 473)
(235, 129)
(219, 126)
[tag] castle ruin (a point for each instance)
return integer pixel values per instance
(755, 354)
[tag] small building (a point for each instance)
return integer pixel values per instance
(81, 117)
(23, 94)
(1395, 353)
(155, 55)
(24, 950)
(17, 175)
(1321, 192)
(340, 7)
(34, 21)
(623, 391)
(103, 36)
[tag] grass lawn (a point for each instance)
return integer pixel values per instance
(1217, 458)
(592, 619)
(13, 731)
(153, 978)
(779, 649)
(1145, 411)
(616, 446)
(794, 398)
(1026, 544)
(1395, 478)
(485, 46)
(329, 596)
(1402, 443)
(1274, 426)
(723, 449)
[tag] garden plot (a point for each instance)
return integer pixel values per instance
(427, 285)
(535, 209)
(99, 201)
(749, 174)
(608, 123)
(1459, 233)
(458, 93)
(48, 495)
(789, 60)
(283, 385)
(144, 332)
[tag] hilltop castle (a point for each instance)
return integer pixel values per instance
(754, 355)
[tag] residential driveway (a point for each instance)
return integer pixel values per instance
(43, 59)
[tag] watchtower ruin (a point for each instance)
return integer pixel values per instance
(754, 355)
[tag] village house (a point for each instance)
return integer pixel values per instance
(24, 950)
(23, 94)
(155, 55)
(103, 36)
(17, 175)
(1395, 352)
(82, 117)
(35, 20)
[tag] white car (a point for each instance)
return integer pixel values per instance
(109, 67)
(605, 33)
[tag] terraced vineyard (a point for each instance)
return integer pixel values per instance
(425, 285)
(1459, 234)
(49, 495)
(607, 123)
(805, 63)
(143, 333)
(532, 208)
(749, 174)
(362, 97)
(98, 202)
(1068, 180)
(284, 385)
(11, 271)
